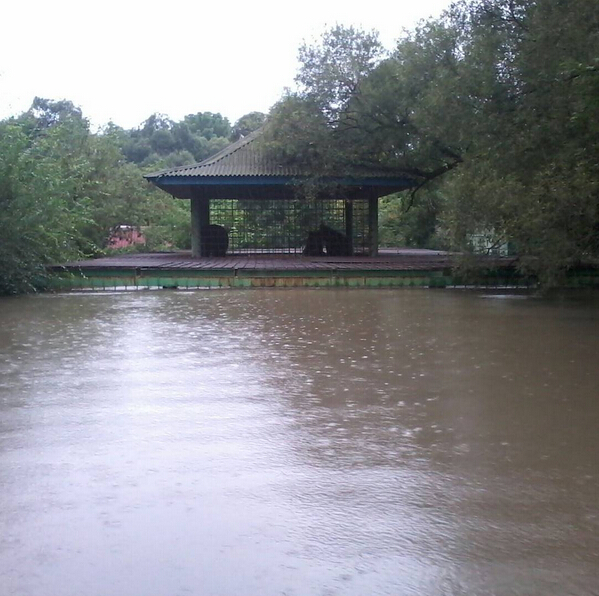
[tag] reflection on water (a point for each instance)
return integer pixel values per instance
(298, 442)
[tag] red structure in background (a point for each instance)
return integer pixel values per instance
(124, 236)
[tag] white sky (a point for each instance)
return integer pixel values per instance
(124, 60)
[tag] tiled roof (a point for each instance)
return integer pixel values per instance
(245, 157)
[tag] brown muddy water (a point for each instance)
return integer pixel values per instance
(299, 442)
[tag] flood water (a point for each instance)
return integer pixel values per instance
(299, 442)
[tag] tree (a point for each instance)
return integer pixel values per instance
(491, 106)
(161, 142)
(247, 124)
(208, 125)
(532, 169)
(333, 71)
(39, 214)
(356, 110)
(402, 223)
(63, 189)
(46, 113)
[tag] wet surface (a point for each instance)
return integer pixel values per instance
(299, 442)
(399, 259)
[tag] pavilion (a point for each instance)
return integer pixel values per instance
(243, 177)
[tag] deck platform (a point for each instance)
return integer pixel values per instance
(392, 268)
(389, 259)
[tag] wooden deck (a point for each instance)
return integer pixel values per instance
(392, 268)
(388, 260)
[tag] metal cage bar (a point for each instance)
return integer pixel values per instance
(282, 226)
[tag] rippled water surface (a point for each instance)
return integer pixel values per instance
(299, 442)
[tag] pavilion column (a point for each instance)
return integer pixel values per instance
(373, 226)
(349, 224)
(200, 217)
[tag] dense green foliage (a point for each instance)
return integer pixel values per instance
(159, 142)
(64, 188)
(491, 109)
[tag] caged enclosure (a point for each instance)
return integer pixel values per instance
(243, 201)
(284, 226)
